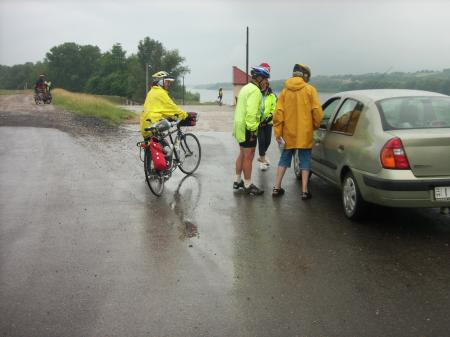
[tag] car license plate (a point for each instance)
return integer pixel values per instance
(442, 193)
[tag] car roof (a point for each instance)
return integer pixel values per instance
(379, 94)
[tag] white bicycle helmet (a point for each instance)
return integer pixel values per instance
(160, 77)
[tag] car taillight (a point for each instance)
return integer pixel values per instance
(393, 155)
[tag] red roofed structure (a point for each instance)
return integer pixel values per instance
(240, 78)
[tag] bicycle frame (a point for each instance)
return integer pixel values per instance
(170, 136)
(173, 142)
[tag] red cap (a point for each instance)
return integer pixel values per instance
(265, 65)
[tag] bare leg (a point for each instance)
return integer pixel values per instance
(280, 174)
(239, 161)
(249, 154)
(305, 180)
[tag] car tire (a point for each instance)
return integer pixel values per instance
(355, 208)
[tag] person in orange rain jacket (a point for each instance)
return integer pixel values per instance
(297, 114)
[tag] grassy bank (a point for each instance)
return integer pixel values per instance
(85, 104)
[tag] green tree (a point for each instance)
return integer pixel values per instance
(135, 79)
(110, 78)
(153, 53)
(71, 65)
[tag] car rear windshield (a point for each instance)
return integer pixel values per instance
(415, 112)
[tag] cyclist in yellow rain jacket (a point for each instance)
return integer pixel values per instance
(158, 104)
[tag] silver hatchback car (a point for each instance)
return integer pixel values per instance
(387, 147)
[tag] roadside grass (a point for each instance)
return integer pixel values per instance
(14, 92)
(90, 105)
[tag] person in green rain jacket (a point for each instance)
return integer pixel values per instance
(246, 122)
(158, 104)
(269, 102)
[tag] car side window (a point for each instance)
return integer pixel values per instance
(347, 117)
(328, 108)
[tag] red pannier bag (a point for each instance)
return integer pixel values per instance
(158, 158)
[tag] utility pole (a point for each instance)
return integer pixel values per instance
(246, 58)
(183, 90)
(147, 66)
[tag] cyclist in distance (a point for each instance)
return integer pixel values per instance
(40, 84)
(158, 104)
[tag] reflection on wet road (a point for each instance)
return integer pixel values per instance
(87, 250)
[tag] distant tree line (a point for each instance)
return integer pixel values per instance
(437, 81)
(84, 68)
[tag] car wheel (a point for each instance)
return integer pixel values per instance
(355, 208)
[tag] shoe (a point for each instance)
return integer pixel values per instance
(267, 162)
(306, 195)
(238, 185)
(253, 190)
(263, 167)
(277, 192)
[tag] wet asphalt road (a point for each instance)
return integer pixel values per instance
(87, 250)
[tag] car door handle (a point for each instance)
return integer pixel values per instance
(341, 148)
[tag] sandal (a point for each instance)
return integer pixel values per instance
(277, 192)
(306, 195)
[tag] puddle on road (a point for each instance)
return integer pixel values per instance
(188, 230)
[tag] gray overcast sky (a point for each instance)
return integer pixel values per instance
(333, 37)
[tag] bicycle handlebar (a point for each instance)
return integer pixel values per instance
(154, 125)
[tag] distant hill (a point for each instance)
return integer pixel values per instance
(438, 81)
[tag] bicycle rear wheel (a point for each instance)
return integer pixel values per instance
(154, 178)
(190, 153)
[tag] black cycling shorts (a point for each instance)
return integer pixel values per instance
(250, 140)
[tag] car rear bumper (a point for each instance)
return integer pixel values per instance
(404, 185)
(402, 192)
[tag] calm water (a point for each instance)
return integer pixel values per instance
(211, 95)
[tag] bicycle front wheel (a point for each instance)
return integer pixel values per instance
(189, 153)
(154, 178)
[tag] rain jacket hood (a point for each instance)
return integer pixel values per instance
(295, 83)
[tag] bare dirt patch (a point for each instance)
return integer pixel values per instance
(21, 110)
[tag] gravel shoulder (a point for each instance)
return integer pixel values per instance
(20, 110)
(211, 117)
